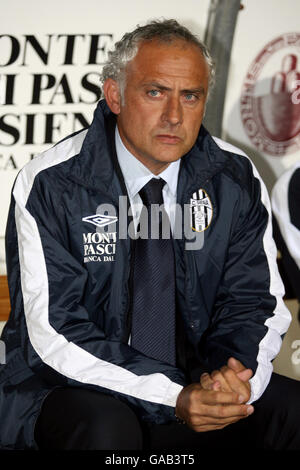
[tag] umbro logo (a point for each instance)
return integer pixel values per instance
(100, 220)
(99, 246)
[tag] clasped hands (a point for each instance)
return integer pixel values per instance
(218, 400)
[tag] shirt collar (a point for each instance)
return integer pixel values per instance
(136, 175)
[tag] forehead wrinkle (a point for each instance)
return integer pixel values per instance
(156, 85)
(192, 90)
(160, 86)
(175, 57)
(155, 66)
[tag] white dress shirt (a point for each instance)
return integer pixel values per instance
(136, 175)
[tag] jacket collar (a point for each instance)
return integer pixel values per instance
(200, 164)
(97, 165)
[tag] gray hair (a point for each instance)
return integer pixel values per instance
(127, 48)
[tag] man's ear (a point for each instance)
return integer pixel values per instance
(112, 95)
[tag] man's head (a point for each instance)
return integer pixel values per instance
(156, 82)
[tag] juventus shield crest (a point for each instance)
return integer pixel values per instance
(201, 211)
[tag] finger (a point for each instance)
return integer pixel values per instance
(200, 422)
(226, 411)
(214, 425)
(208, 427)
(236, 384)
(216, 386)
(217, 375)
(235, 364)
(241, 371)
(211, 397)
(206, 381)
(245, 375)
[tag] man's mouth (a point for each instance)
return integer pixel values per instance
(168, 138)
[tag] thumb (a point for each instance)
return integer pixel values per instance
(240, 370)
(245, 375)
(235, 365)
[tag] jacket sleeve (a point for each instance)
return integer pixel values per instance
(250, 317)
(60, 342)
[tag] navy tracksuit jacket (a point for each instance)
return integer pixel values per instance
(70, 281)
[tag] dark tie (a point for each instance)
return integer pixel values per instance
(153, 312)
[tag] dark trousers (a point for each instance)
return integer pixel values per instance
(81, 419)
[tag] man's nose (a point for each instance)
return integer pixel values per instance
(172, 113)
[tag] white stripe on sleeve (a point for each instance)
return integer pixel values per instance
(278, 324)
(53, 348)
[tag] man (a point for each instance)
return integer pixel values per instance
(92, 361)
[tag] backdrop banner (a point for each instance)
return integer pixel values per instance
(262, 107)
(51, 59)
(50, 63)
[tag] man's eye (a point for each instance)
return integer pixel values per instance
(190, 97)
(154, 93)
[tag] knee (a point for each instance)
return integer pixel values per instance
(79, 419)
(118, 429)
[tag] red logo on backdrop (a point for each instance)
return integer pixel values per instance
(270, 98)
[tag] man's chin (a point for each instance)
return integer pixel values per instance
(169, 159)
(171, 152)
(173, 156)
(161, 156)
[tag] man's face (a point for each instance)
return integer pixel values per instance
(164, 102)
